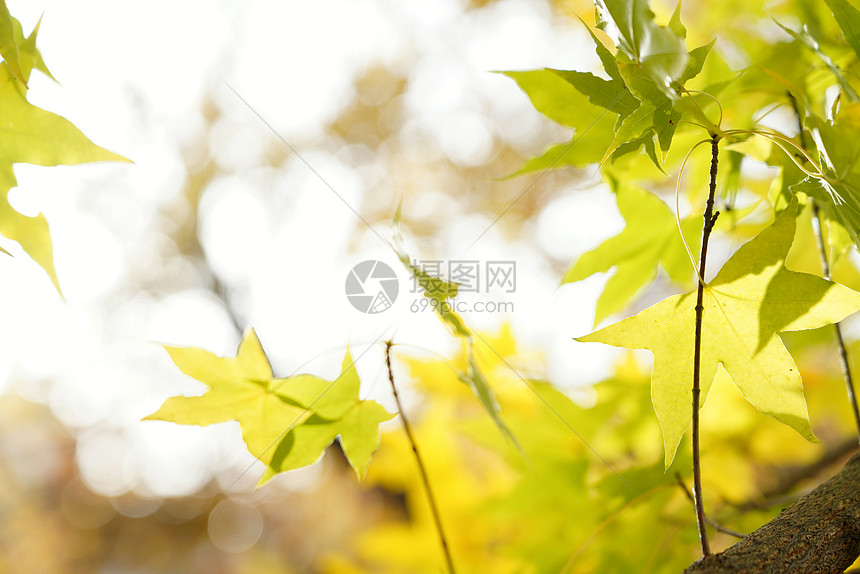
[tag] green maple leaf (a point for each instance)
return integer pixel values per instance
(272, 412)
(848, 18)
(660, 111)
(806, 38)
(675, 23)
(752, 299)
(638, 102)
(658, 51)
(611, 102)
(649, 240)
(838, 190)
(574, 99)
(33, 135)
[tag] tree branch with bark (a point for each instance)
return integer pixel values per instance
(819, 533)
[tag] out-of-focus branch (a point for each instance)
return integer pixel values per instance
(790, 478)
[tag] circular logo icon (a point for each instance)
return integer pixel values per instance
(372, 286)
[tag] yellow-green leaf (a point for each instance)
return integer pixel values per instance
(752, 299)
(31, 57)
(358, 429)
(848, 18)
(649, 240)
(675, 23)
(475, 379)
(473, 376)
(583, 148)
(633, 127)
(328, 399)
(337, 411)
(238, 391)
(611, 95)
(8, 42)
(696, 61)
(32, 135)
(286, 423)
(838, 191)
(31, 232)
(808, 40)
(27, 55)
(558, 99)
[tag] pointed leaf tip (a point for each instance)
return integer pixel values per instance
(752, 299)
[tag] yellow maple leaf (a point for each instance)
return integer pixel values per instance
(752, 299)
(286, 423)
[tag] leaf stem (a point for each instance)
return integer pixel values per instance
(710, 218)
(843, 353)
(425, 481)
(825, 268)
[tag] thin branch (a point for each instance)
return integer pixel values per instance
(710, 218)
(678, 210)
(829, 458)
(714, 524)
(781, 141)
(434, 508)
(825, 267)
(843, 353)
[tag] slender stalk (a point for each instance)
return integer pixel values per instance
(843, 353)
(434, 508)
(825, 268)
(710, 218)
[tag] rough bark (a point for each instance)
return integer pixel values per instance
(819, 533)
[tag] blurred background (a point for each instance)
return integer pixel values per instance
(218, 225)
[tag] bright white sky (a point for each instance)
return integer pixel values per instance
(133, 76)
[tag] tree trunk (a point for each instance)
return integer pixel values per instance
(819, 533)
